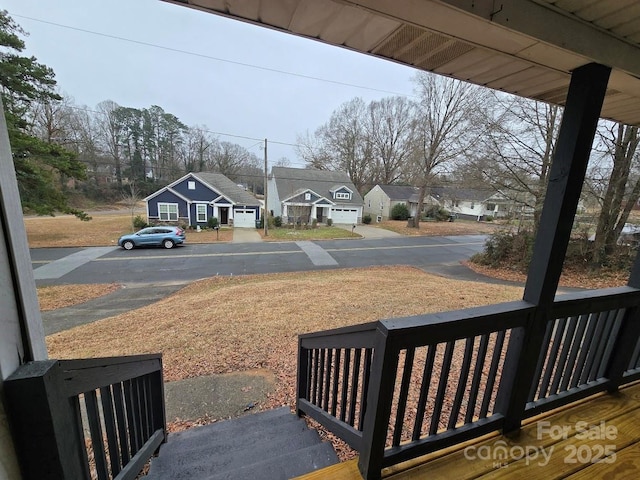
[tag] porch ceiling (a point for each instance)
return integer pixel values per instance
(525, 47)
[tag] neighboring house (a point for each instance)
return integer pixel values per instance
(196, 197)
(302, 195)
(500, 205)
(464, 202)
(381, 199)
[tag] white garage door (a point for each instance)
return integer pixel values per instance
(344, 215)
(244, 219)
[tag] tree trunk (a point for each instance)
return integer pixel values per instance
(421, 194)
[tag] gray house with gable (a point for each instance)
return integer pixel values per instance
(301, 195)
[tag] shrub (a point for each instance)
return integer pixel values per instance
(488, 218)
(212, 222)
(314, 223)
(138, 223)
(329, 222)
(277, 221)
(366, 219)
(399, 212)
(438, 213)
(512, 249)
(260, 223)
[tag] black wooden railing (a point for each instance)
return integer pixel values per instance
(79, 419)
(398, 389)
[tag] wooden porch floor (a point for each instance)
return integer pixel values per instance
(598, 437)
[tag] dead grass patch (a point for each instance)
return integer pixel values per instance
(103, 229)
(232, 324)
(60, 296)
(569, 278)
(459, 227)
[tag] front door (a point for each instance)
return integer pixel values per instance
(319, 212)
(224, 215)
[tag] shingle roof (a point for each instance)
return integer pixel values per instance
(227, 188)
(400, 192)
(289, 181)
(460, 193)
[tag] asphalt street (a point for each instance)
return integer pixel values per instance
(195, 261)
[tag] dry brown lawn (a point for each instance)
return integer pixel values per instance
(233, 324)
(103, 229)
(60, 296)
(459, 227)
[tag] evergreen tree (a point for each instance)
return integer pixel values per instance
(40, 166)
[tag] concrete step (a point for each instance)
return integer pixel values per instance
(268, 445)
(219, 444)
(202, 440)
(286, 466)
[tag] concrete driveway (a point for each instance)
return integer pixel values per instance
(369, 232)
(246, 235)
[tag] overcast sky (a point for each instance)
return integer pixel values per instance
(233, 77)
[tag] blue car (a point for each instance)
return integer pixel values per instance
(165, 237)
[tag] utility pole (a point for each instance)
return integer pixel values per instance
(265, 215)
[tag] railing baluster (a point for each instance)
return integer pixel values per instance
(307, 391)
(355, 379)
(578, 340)
(316, 368)
(424, 391)
(493, 370)
(477, 377)
(131, 417)
(602, 341)
(577, 379)
(404, 392)
(110, 428)
(345, 383)
(570, 332)
(319, 394)
(593, 347)
(553, 356)
(336, 377)
(93, 415)
(462, 383)
(609, 342)
(442, 387)
(121, 418)
(541, 360)
(365, 385)
(327, 379)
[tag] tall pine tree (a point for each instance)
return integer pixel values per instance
(39, 165)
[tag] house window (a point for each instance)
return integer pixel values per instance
(473, 205)
(342, 196)
(201, 213)
(168, 211)
(491, 207)
(191, 185)
(307, 196)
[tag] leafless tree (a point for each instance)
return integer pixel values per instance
(520, 142)
(623, 188)
(392, 129)
(447, 126)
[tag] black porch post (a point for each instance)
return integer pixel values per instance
(581, 113)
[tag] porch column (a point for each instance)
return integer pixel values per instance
(21, 332)
(314, 212)
(284, 213)
(581, 113)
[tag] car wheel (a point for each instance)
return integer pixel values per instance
(167, 243)
(128, 245)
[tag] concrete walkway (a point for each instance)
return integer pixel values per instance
(370, 232)
(246, 235)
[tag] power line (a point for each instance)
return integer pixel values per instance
(210, 57)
